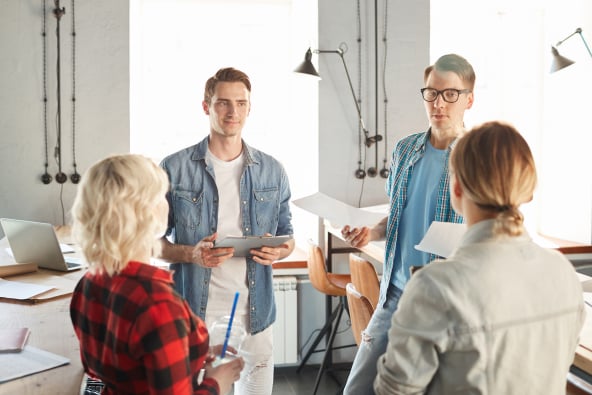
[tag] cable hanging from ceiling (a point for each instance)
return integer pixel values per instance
(74, 177)
(360, 172)
(384, 172)
(45, 177)
(60, 176)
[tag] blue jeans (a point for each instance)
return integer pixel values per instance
(372, 346)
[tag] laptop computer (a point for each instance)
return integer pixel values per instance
(36, 242)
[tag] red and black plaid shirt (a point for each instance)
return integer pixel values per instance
(137, 335)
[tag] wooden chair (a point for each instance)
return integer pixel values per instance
(364, 278)
(360, 311)
(332, 285)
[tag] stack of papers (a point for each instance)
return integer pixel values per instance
(21, 291)
(13, 339)
(29, 361)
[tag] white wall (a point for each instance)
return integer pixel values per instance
(407, 37)
(102, 105)
(102, 96)
(102, 109)
(407, 55)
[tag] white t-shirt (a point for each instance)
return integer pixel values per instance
(231, 276)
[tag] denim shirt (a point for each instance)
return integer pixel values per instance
(407, 152)
(193, 215)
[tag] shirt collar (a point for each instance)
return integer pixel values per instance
(202, 148)
(420, 144)
(483, 230)
(147, 271)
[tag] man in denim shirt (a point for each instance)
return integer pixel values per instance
(222, 187)
(417, 187)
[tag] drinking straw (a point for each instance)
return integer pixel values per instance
(229, 326)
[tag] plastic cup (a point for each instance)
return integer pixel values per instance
(227, 358)
(217, 333)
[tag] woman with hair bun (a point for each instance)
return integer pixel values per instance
(501, 315)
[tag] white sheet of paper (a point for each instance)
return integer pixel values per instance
(29, 361)
(21, 291)
(337, 212)
(442, 238)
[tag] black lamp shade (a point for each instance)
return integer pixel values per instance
(559, 62)
(307, 67)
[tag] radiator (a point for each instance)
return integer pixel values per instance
(285, 329)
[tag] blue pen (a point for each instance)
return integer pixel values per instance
(229, 326)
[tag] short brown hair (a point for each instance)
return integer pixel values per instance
(455, 63)
(228, 74)
(495, 167)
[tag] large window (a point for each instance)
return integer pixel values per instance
(509, 44)
(176, 45)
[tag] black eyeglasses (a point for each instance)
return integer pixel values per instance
(449, 95)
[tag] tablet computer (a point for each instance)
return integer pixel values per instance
(243, 244)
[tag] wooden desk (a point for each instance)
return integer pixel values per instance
(51, 330)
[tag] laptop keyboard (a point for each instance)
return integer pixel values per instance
(73, 262)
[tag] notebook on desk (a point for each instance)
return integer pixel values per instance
(36, 242)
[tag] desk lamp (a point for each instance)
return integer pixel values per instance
(559, 62)
(308, 68)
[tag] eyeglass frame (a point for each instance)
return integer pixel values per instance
(441, 93)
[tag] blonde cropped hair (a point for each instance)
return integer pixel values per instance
(114, 213)
(495, 167)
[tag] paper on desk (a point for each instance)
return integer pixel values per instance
(29, 361)
(21, 291)
(442, 238)
(337, 212)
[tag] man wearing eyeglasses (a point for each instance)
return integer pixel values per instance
(418, 192)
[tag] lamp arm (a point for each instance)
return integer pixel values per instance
(585, 43)
(351, 87)
(578, 31)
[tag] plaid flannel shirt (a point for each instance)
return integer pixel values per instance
(407, 152)
(137, 335)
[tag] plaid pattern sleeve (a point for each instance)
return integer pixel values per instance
(137, 335)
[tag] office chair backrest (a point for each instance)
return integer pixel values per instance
(360, 311)
(364, 278)
(324, 282)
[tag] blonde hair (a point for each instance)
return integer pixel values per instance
(456, 64)
(114, 217)
(495, 167)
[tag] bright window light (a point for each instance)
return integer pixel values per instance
(176, 45)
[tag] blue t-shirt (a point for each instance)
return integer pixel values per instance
(418, 213)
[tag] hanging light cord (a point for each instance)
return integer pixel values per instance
(74, 177)
(360, 172)
(58, 13)
(46, 178)
(385, 171)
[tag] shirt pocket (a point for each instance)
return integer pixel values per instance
(266, 206)
(187, 206)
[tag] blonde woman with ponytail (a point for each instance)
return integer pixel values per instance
(501, 315)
